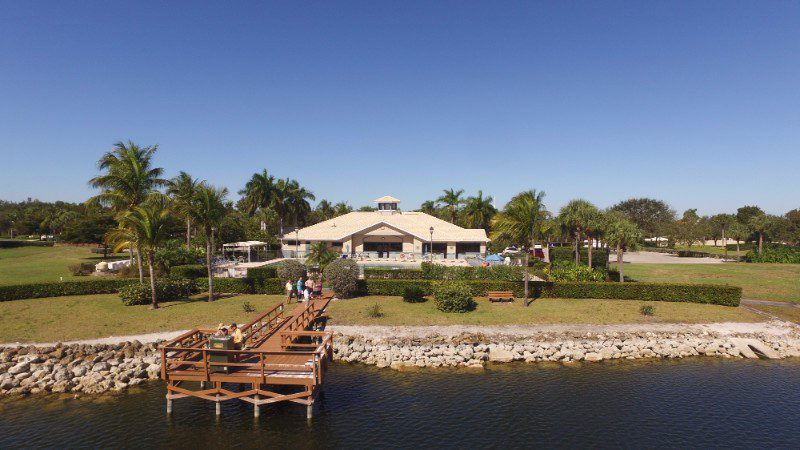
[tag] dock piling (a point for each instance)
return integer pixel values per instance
(219, 408)
(169, 406)
(256, 407)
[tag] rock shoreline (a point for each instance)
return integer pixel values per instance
(77, 368)
(95, 368)
(474, 350)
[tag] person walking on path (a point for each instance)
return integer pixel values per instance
(299, 289)
(289, 290)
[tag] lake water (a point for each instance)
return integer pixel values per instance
(701, 402)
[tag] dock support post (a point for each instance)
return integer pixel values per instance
(219, 408)
(169, 406)
(256, 407)
(310, 411)
(202, 385)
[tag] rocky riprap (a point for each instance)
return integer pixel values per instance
(473, 350)
(76, 368)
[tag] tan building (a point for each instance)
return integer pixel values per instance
(388, 233)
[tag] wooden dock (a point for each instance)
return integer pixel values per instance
(282, 351)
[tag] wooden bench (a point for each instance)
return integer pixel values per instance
(500, 296)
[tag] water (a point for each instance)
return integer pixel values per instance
(688, 403)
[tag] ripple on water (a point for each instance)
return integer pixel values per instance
(695, 402)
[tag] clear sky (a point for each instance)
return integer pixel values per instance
(695, 103)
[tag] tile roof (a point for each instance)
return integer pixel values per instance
(414, 223)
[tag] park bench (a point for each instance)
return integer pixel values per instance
(500, 296)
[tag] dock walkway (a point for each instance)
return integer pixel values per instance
(284, 357)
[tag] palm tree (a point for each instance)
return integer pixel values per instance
(297, 201)
(150, 223)
(622, 234)
(258, 192)
(451, 199)
(478, 211)
(208, 210)
(429, 207)
(341, 209)
(760, 224)
(524, 219)
(739, 232)
(128, 179)
(595, 225)
(182, 189)
(324, 209)
(575, 217)
(320, 255)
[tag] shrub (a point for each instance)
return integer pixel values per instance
(413, 294)
(342, 277)
(248, 307)
(82, 269)
(453, 297)
(775, 253)
(647, 310)
(61, 288)
(290, 270)
(439, 272)
(599, 255)
(375, 311)
(568, 271)
(166, 289)
(190, 271)
(174, 253)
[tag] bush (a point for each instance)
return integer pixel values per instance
(190, 271)
(290, 270)
(248, 307)
(775, 253)
(599, 255)
(647, 310)
(174, 253)
(81, 270)
(453, 297)
(61, 288)
(413, 294)
(166, 289)
(342, 277)
(568, 271)
(439, 272)
(375, 311)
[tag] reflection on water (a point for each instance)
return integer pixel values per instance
(696, 402)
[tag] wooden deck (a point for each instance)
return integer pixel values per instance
(281, 351)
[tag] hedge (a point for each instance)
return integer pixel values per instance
(21, 243)
(394, 274)
(262, 272)
(61, 288)
(667, 292)
(190, 271)
(430, 271)
(243, 285)
(599, 255)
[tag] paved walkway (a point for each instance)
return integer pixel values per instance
(661, 258)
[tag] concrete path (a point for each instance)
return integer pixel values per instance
(661, 258)
(751, 302)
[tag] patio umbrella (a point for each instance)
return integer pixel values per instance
(494, 257)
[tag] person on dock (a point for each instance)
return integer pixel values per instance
(307, 294)
(318, 287)
(237, 336)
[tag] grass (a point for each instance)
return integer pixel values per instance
(542, 311)
(778, 282)
(709, 249)
(785, 313)
(93, 316)
(40, 264)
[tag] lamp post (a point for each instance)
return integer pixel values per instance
(296, 242)
(430, 250)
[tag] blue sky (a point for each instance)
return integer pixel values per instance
(695, 103)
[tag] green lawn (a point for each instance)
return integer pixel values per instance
(93, 316)
(785, 313)
(38, 264)
(779, 282)
(542, 311)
